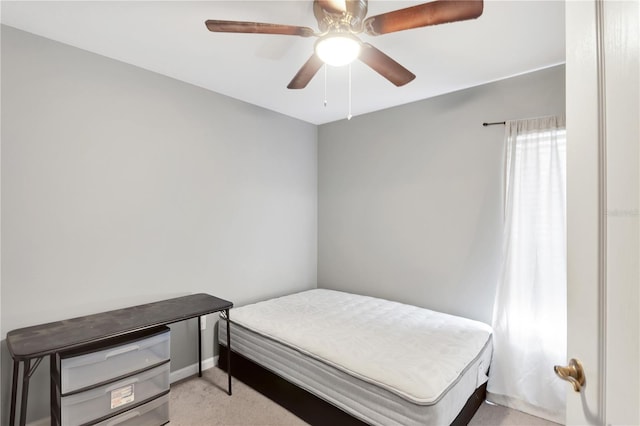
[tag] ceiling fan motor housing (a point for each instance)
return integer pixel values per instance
(332, 18)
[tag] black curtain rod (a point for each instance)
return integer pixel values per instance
(493, 124)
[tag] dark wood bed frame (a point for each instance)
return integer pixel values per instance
(307, 406)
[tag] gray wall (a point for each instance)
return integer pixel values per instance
(121, 186)
(410, 198)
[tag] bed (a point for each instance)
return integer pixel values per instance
(338, 358)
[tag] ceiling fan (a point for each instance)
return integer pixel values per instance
(340, 20)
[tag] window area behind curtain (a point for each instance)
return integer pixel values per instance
(530, 317)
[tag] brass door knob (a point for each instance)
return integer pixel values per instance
(573, 373)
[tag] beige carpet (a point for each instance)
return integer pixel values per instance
(204, 402)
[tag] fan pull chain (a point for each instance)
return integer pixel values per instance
(349, 113)
(325, 85)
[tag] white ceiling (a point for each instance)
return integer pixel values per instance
(169, 37)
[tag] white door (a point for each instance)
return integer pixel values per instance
(603, 189)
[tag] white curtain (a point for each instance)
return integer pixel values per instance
(529, 315)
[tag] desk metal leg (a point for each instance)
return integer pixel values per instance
(27, 372)
(226, 313)
(26, 367)
(54, 377)
(199, 347)
(14, 392)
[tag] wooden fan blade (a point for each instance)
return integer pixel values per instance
(422, 15)
(256, 28)
(306, 73)
(385, 66)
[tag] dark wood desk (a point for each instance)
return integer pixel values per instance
(34, 343)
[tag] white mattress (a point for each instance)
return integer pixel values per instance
(381, 361)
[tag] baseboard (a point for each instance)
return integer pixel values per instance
(192, 369)
(517, 404)
(45, 421)
(174, 376)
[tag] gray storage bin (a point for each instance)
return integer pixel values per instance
(153, 413)
(81, 371)
(114, 397)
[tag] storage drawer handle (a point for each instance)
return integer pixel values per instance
(122, 351)
(121, 385)
(130, 415)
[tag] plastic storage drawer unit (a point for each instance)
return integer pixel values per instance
(112, 398)
(80, 371)
(153, 413)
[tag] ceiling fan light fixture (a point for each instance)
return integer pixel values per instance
(338, 49)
